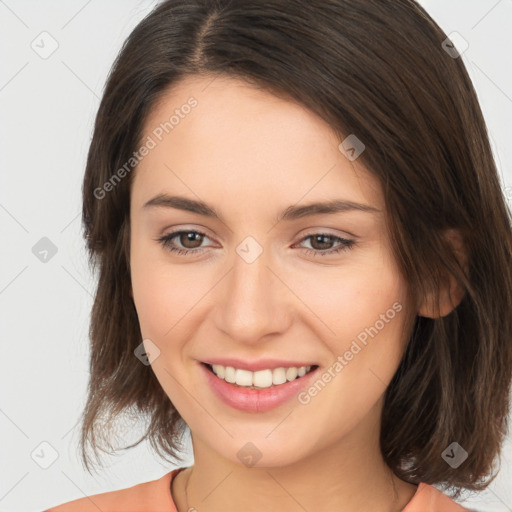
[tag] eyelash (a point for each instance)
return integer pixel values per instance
(344, 243)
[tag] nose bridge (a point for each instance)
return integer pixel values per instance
(254, 301)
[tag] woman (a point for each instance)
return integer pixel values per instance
(304, 257)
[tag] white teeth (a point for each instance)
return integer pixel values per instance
(278, 376)
(291, 373)
(219, 370)
(230, 374)
(243, 378)
(260, 379)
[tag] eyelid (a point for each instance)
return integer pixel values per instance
(178, 228)
(328, 231)
(347, 241)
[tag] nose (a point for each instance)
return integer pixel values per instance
(254, 302)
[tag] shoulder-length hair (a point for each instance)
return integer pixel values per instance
(381, 69)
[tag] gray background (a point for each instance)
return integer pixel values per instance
(47, 108)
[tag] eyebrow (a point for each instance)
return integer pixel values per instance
(291, 213)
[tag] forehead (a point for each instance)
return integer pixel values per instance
(241, 144)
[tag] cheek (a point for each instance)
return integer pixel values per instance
(347, 299)
(360, 316)
(160, 302)
(369, 321)
(168, 297)
(156, 293)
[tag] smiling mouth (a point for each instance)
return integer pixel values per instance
(261, 379)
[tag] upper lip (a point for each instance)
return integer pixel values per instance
(254, 366)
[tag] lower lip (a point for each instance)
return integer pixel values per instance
(255, 400)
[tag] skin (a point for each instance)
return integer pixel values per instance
(251, 155)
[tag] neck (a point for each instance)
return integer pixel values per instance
(348, 476)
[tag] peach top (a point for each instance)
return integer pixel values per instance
(155, 496)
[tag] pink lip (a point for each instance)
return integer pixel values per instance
(254, 366)
(255, 400)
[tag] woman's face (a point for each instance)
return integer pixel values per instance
(262, 288)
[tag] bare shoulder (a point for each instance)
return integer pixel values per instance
(153, 496)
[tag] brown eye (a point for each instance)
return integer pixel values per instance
(322, 244)
(188, 241)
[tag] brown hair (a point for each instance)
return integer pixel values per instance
(377, 69)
